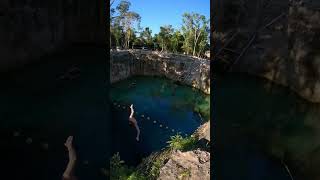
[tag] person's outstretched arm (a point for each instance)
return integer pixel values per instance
(69, 172)
(132, 111)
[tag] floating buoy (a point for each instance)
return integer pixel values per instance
(45, 145)
(160, 125)
(148, 118)
(167, 127)
(154, 122)
(29, 141)
(16, 134)
(172, 130)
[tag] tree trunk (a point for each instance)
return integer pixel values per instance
(195, 43)
(162, 46)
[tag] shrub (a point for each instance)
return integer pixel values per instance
(177, 142)
(155, 169)
(120, 171)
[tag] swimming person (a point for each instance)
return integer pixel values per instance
(69, 172)
(134, 122)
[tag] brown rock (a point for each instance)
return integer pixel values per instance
(190, 165)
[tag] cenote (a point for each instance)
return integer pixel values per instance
(261, 127)
(39, 105)
(163, 108)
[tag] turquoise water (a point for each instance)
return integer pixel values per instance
(259, 124)
(168, 104)
(35, 103)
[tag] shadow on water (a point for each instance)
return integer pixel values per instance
(167, 105)
(268, 125)
(39, 105)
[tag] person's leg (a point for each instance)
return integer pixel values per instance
(138, 131)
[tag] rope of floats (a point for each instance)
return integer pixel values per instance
(143, 116)
(45, 145)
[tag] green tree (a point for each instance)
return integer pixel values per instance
(176, 41)
(126, 20)
(146, 37)
(164, 37)
(116, 32)
(195, 31)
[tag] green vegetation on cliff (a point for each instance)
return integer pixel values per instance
(120, 171)
(177, 142)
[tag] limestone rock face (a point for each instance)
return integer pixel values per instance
(287, 51)
(203, 132)
(190, 165)
(290, 56)
(187, 70)
(33, 28)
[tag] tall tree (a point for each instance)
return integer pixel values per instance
(146, 37)
(164, 37)
(195, 30)
(127, 19)
(176, 41)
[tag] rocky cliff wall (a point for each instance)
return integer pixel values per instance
(33, 28)
(191, 71)
(288, 54)
(287, 51)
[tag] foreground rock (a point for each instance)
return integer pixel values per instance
(203, 132)
(193, 165)
(188, 70)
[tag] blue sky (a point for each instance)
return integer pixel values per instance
(156, 13)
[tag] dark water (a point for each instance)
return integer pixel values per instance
(38, 105)
(259, 125)
(164, 102)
